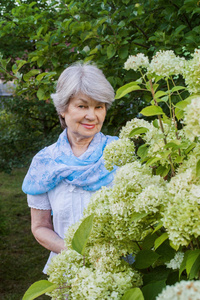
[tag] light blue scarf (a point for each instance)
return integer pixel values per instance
(57, 162)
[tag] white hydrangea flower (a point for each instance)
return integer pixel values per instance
(181, 217)
(91, 284)
(175, 262)
(119, 153)
(184, 290)
(130, 125)
(192, 119)
(136, 62)
(191, 73)
(166, 63)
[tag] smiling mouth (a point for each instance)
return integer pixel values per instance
(88, 126)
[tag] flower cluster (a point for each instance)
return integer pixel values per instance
(154, 137)
(191, 73)
(119, 153)
(165, 64)
(176, 262)
(136, 62)
(79, 281)
(192, 119)
(130, 125)
(134, 191)
(184, 290)
(181, 216)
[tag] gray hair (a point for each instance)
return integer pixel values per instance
(81, 78)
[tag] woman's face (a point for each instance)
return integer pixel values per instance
(84, 116)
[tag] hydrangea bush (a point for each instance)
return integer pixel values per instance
(139, 238)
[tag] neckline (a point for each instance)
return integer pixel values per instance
(91, 147)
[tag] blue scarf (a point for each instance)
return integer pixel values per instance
(57, 162)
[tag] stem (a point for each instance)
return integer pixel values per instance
(176, 130)
(162, 127)
(191, 245)
(138, 245)
(197, 241)
(170, 99)
(143, 77)
(177, 91)
(7, 72)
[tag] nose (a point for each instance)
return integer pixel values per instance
(90, 115)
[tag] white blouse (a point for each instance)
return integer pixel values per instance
(67, 203)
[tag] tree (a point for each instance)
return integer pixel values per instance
(42, 38)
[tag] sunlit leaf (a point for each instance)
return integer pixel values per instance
(39, 288)
(160, 240)
(138, 130)
(126, 89)
(133, 294)
(152, 110)
(82, 234)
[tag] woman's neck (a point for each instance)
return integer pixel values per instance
(78, 145)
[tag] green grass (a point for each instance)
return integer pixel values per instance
(22, 258)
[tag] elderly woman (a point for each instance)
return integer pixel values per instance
(62, 177)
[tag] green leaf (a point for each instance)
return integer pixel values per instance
(82, 234)
(142, 151)
(179, 113)
(198, 168)
(41, 93)
(159, 94)
(151, 290)
(152, 161)
(148, 241)
(162, 170)
(183, 264)
(175, 247)
(177, 88)
(166, 252)
(41, 61)
(192, 146)
(145, 258)
(155, 123)
(39, 288)
(111, 50)
(123, 52)
(126, 89)
(160, 240)
(20, 63)
(195, 269)
(158, 226)
(191, 259)
(30, 74)
(182, 104)
(152, 110)
(156, 274)
(4, 62)
(133, 294)
(173, 144)
(138, 130)
(40, 76)
(138, 216)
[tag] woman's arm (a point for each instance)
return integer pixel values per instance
(42, 229)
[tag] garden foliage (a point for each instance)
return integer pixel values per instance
(38, 39)
(142, 234)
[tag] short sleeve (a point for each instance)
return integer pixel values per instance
(39, 201)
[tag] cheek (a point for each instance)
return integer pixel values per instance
(102, 116)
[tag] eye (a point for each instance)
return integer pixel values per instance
(81, 106)
(99, 106)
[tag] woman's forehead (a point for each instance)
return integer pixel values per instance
(84, 98)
